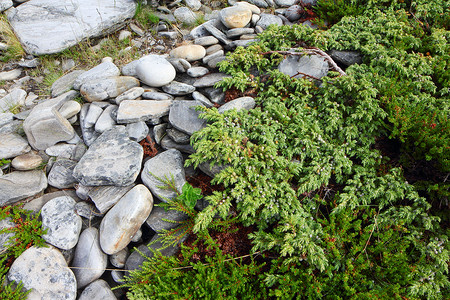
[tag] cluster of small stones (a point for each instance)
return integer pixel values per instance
(83, 167)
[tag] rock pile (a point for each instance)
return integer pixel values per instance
(93, 150)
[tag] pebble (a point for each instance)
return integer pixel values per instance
(105, 88)
(197, 71)
(10, 75)
(155, 70)
(235, 16)
(267, 19)
(206, 41)
(103, 70)
(137, 131)
(60, 175)
(118, 259)
(12, 145)
(28, 161)
(131, 94)
(105, 121)
(98, 289)
(185, 15)
(157, 96)
(189, 52)
(19, 185)
(65, 83)
(104, 197)
(131, 111)
(178, 88)
(209, 80)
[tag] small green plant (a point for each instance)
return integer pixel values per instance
(189, 195)
(4, 161)
(15, 49)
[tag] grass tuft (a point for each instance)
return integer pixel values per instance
(15, 49)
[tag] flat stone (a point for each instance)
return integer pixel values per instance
(185, 117)
(131, 94)
(238, 104)
(105, 121)
(346, 58)
(202, 98)
(178, 136)
(217, 33)
(46, 26)
(104, 197)
(197, 71)
(285, 3)
(70, 109)
(166, 164)
(157, 96)
(19, 185)
(255, 9)
(312, 65)
(210, 80)
(159, 131)
(89, 260)
(176, 88)
(65, 83)
(98, 289)
(10, 75)
(214, 55)
(137, 131)
(94, 112)
(45, 271)
(125, 218)
(215, 94)
(12, 145)
(235, 16)
(130, 68)
(6, 223)
(155, 70)
(14, 99)
(60, 175)
(88, 132)
(131, 111)
(201, 31)
(185, 15)
(62, 150)
(5, 4)
(6, 118)
(36, 204)
(267, 19)
(237, 32)
(86, 210)
(104, 70)
(180, 64)
(25, 162)
(213, 48)
(113, 159)
(189, 52)
(61, 221)
(111, 87)
(167, 143)
(157, 219)
(206, 41)
(193, 4)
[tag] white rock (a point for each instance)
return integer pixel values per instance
(12, 145)
(235, 16)
(131, 111)
(98, 289)
(155, 70)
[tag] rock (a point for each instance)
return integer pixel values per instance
(312, 65)
(197, 71)
(210, 57)
(65, 83)
(159, 131)
(237, 32)
(155, 70)
(193, 4)
(209, 80)
(157, 96)
(131, 94)
(235, 16)
(217, 33)
(119, 259)
(189, 52)
(176, 88)
(70, 109)
(14, 99)
(184, 116)
(45, 126)
(259, 3)
(213, 48)
(294, 13)
(178, 136)
(215, 94)
(12, 145)
(180, 64)
(104, 197)
(67, 22)
(10, 75)
(104, 70)
(124, 219)
(105, 121)
(131, 111)
(19, 185)
(113, 159)
(254, 9)
(86, 210)
(5, 236)
(6, 118)
(167, 164)
(111, 87)
(98, 289)
(89, 260)
(25, 162)
(124, 34)
(29, 63)
(238, 104)
(137, 131)
(167, 143)
(285, 3)
(130, 68)
(346, 58)
(185, 15)
(61, 150)
(268, 19)
(62, 223)
(89, 134)
(206, 41)
(36, 204)
(201, 98)
(157, 219)
(5, 4)
(45, 271)
(94, 112)
(60, 175)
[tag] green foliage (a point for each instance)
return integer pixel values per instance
(189, 195)
(4, 161)
(145, 16)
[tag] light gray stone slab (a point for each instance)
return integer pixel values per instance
(210, 80)
(60, 175)
(65, 83)
(5, 4)
(105, 121)
(131, 111)
(131, 94)
(312, 65)
(104, 197)
(157, 219)
(137, 131)
(184, 116)
(176, 88)
(6, 223)
(19, 185)
(268, 19)
(111, 87)
(167, 143)
(12, 100)
(101, 71)
(238, 104)
(98, 289)
(12, 145)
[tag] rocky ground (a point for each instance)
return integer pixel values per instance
(90, 155)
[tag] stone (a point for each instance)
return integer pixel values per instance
(254, 9)
(88, 132)
(235, 16)
(61, 221)
(68, 64)
(6, 118)
(60, 175)
(5, 4)
(124, 34)
(70, 109)
(119, 259)
(185, 15)
(180, 64)
(157, 219)
(210, 80)
(193, 4)
(167, 143)
(155, 70)
(19, 185)
(45, 126)
(178, 136)
(36, 204)
(216, 95)
(189, 52)
(101, 71)
(130, 68)
(294, 13)
(131, 111)
(105, 121)
(197, 71)
(259, 3)
(168, 34)
(124, 219)
(184, 117)
(166, 164)
(104, 197)
(14, 99)
(201, 31)
(216, 33)
(25, 162)
(62, 150)
(6, 223)
(98, 289)
(12, 145)
(86, 210)
(29, 63)
(237, 32)
(206, 41)
(157, 96)
(213, 48)
(111, 87)
(312, 65)
(347, 58)
(89, 261)
(137, 131)
(131, 94)
(216, 54)
(67, 23)
(159, 131)
(45, 271)
(285, 3)
(176, 88)
(201, 98)
(65, 83)
(268, 19)
(113, 159)
(94, 112)
(10, 75)
(238, 104)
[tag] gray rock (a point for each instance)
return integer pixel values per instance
(180, 64)
(125, 218)
(5, 4)
(193, 4)
(10, 75)
(155, 70)
(160, 219)
(167, 143)
(215, 55)
(131, 94)
(130, 68)
(215, 94)
(89, 261)
(86, 210)
(201, 98)
(167, 164)
(238, 104)
(5, 118)
(25, 162)
(94, 112)
(197, 71)
(69, 109)
(104, 197)
(60, 175)
(176, 88)
(19, 185)
(36, 204)
(294, 13)
(213, 48)
(111, 87)
(183, 116)
(65, 83)
(237, 32)
(45, 271)
(312, 65)
(14, 126)
(98, 289)
(168, 34)
(255, 9)
(5, 236)
(259, 3)
(185, 15)
(103, 70)
(285, 3)
(211, 170)
(209, 80)
(237, 16)
(29, 63)
(217, 33)
(157, 96)
(137, 131)
(200, 31)
(131, 111)
(113, 159)
(12, 100)
(62, 223)
(12, 145)
(89, 134)
(346, 58)
(159, 131)
(206, 41)
(62, 150)
(45, 126)
(268, 19)
(105, 121)
(119, 259)
(178, 136)
(68, 22)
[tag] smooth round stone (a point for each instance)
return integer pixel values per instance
(206, 41)
(63, 224)
(119, 259)
(89, 261)
(70, 109)
(213, 48)
(236, 32)
(25, 162)
(98, 289)
(235, 16)
(45, 271)
(255, 9)
(294, 13)
(155, 71)
(268, 19)
(180, 64)
(12, 145)
(197, 71)
(189, 52)
(285, 3)
(238, 104)
(125, 218)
